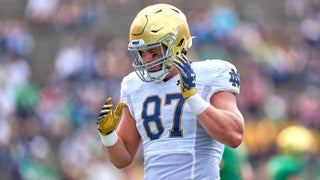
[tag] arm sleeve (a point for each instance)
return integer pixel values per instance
(227, 78)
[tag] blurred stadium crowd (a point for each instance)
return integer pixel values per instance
(48, 111)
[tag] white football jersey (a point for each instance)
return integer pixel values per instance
(175, 146)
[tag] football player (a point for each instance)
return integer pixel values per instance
(182, 112)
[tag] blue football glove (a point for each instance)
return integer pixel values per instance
(187, 76)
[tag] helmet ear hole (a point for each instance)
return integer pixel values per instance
(180, 43)
(183, 51)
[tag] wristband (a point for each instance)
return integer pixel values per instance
(197, 104)
(109, 139)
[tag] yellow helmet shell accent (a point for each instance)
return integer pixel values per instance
(295, 140)
(155, 22)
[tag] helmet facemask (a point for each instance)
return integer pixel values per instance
(143, 69)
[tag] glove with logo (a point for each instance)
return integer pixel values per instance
(188, 87)
(107, 121)
(187, 76)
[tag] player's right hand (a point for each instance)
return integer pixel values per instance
(107, 118)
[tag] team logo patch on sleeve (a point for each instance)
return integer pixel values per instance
(234, 78)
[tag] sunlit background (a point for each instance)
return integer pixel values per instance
(60, 60)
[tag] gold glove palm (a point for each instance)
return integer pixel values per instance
(108, 119)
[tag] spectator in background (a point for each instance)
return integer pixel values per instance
(296, 146)
(235, 164)
(17, 39)
(41, 12)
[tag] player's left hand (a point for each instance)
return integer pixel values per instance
(187, 76)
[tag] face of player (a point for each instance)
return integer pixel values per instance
(152, 55)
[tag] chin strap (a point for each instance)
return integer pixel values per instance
(159, 74)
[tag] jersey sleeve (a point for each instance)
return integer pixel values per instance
(227, 78)
(129, 85)
(219, 75)
(123, 91)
